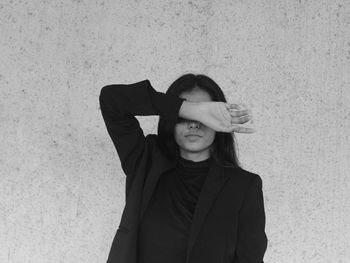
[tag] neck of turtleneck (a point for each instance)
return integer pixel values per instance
(194, 167)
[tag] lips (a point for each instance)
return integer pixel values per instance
(192, 134)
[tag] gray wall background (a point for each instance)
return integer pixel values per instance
(62, 187)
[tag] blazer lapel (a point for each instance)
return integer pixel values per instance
(214, 182)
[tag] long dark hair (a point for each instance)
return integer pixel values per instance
(223, 150)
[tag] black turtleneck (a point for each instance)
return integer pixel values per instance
(165, 226)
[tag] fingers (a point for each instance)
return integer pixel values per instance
(237, 110)
(240, 129)
(236, 106)
(241, 119)
(239, 113)
(232, 106)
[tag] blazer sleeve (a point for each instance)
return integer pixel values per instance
(251, 241)
(120, 103)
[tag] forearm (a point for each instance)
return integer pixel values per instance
(191, 110)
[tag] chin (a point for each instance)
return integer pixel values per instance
(194, 148)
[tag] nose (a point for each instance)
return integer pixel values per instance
(193, 124)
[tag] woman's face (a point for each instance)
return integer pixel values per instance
(195, 147)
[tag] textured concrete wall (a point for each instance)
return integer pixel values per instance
(62, 187)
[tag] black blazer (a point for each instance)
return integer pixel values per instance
(229, 220)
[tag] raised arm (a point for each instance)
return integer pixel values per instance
(120, 103)
(217, 115)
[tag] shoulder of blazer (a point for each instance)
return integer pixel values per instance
(153, 144)
(156, 156)
(243, 182)
(243, 177)
(151, 140)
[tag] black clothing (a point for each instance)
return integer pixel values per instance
(228, 223)
(164, 229)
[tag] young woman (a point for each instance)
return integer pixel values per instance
(187, 199)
